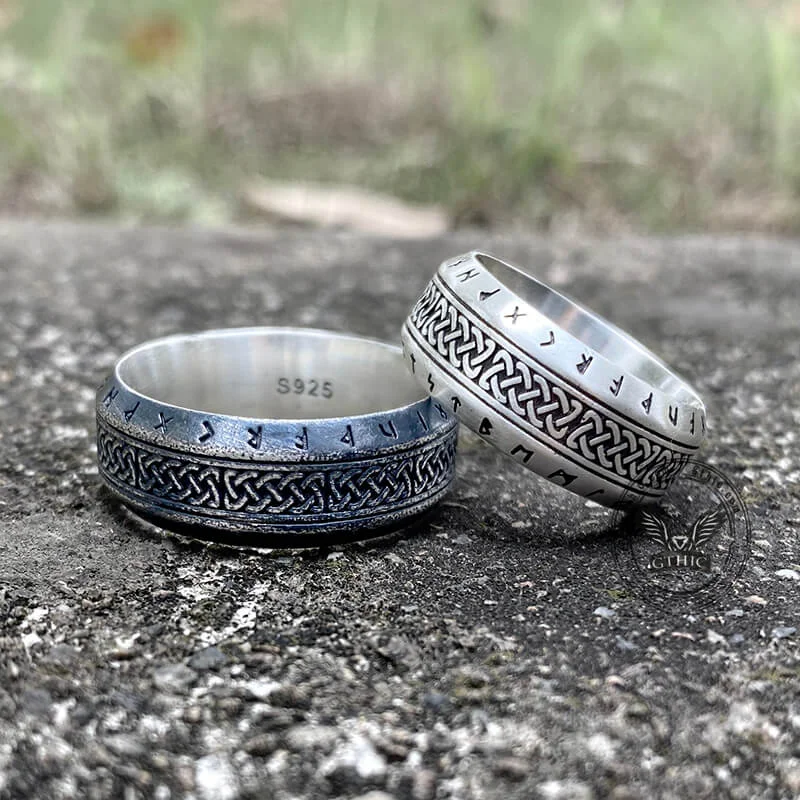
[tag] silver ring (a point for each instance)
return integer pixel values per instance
(562, 391)
(272, 431)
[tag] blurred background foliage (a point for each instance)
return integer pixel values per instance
(597, 114)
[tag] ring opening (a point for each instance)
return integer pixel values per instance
(271, 374)
(594, 331)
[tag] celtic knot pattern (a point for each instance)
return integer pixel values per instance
(276, 489)
(557, 413)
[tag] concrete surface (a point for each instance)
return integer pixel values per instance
(494, 653)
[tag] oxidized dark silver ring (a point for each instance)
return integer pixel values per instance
(272, 431)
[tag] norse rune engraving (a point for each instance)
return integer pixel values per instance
(456, 402)
(647, 403)
(485, 427)
(209, 432)
(131, 411)
(616, 385)
(467, 274)
(551, 340)
(584, 364)
(389, 431)
(672, 412)
(515, 315)
(526, 457)
(163, 423)
(348, 437)
(564, 478)
(254, 437)
(486, 295)
(301, 441)
(111, 396)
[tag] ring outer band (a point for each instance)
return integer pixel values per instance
(518, 383)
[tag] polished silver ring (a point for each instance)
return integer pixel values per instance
(562, 391)
(272, 431)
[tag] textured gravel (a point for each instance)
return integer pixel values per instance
(492, 653)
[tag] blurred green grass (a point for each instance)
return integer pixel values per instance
(655, 115)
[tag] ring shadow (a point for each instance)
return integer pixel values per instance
(200, 538)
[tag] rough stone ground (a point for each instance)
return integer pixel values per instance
(475, 657)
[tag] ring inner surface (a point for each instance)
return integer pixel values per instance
(595, 332)
(271, 375)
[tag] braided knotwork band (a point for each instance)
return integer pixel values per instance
(326, 433)
(561, 390)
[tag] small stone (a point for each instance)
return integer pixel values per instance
(435, 701)
(788, 574)
(125, 746)
(273, 719)
(714, 637)
(160, 760)
(262, 745)
(392, 749)
(30, 640)
(312, 737)
(230, 706)
(756, 599)
(215, 778)
(400, 652)
(210, 658)
(564, 790)
(95, 755)
(289, 696)
(783, 631)
(357, 756)
(602, 748)
(472, 677)
(375, 795)
(262, 689)
(513, 769)
(604, 612)
(174, 678)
